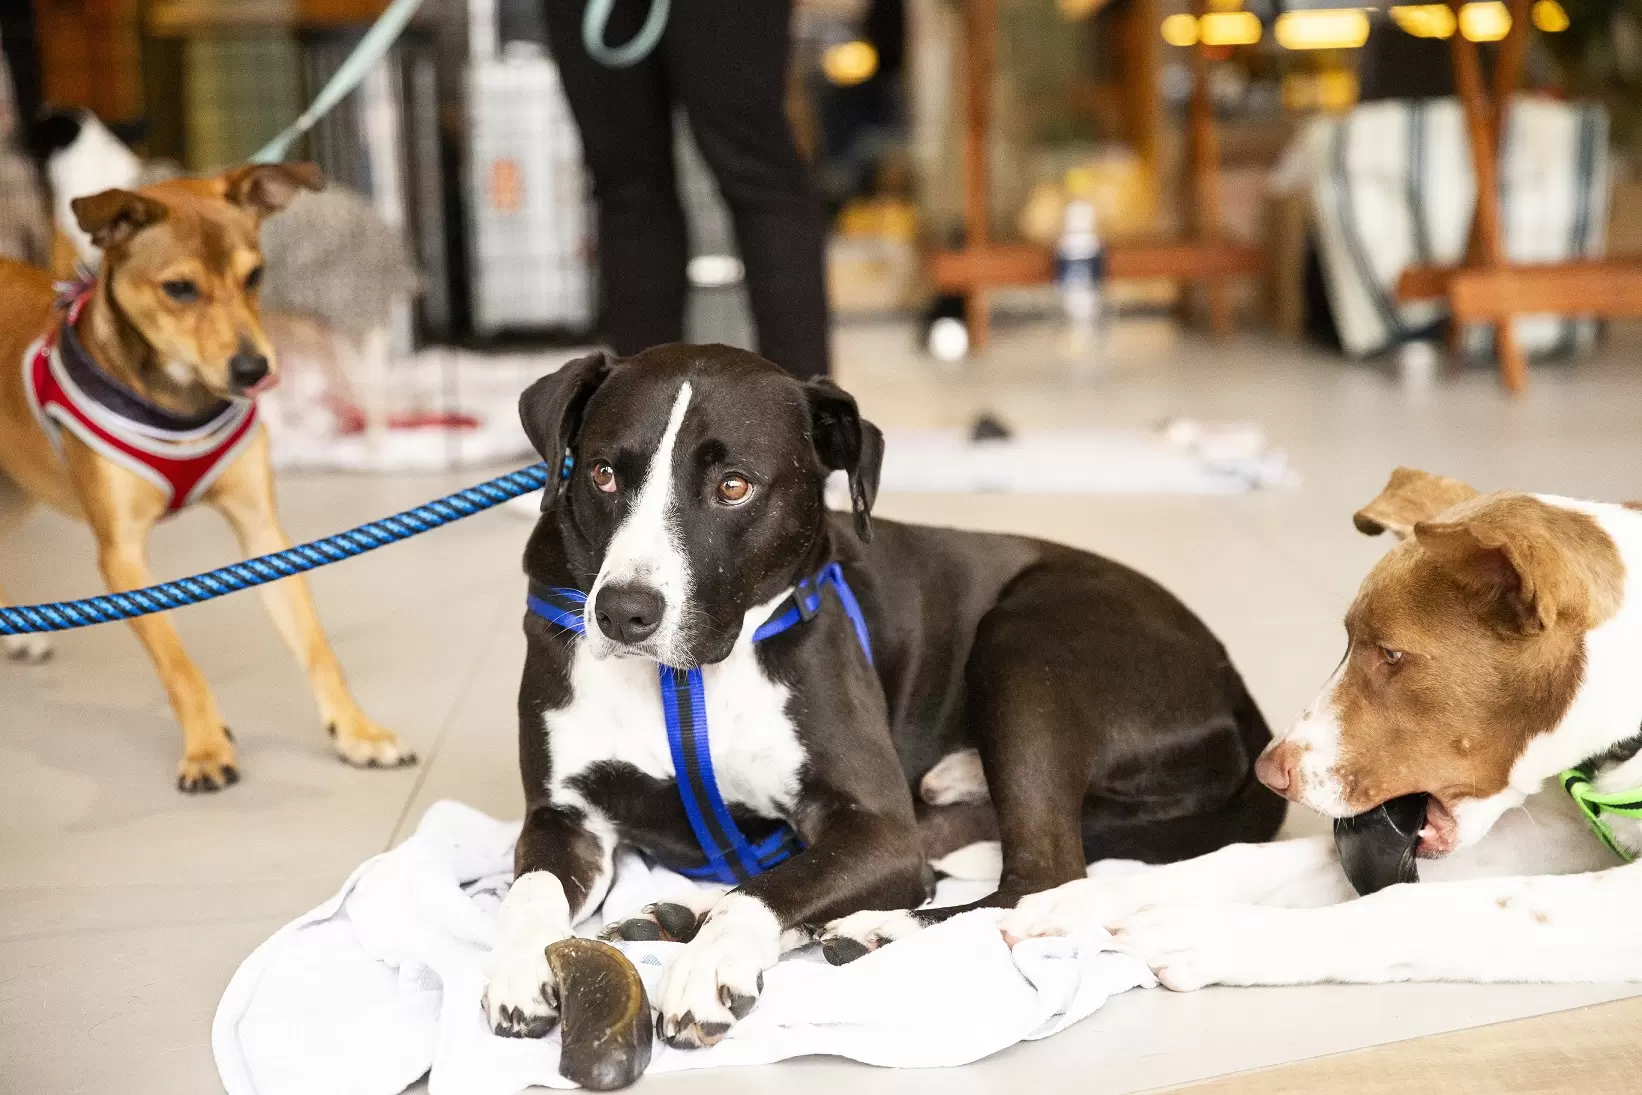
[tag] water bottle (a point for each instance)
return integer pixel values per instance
(1080, 271)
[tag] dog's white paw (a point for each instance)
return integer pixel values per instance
(956, 777)
(363, 744)
(1197, 943)
(850, 937)
(29, 649)
(1074, 907)
(717, 977)
(521, 994)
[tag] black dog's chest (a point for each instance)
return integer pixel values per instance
(609, 746)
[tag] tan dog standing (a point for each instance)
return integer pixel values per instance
(170, 328)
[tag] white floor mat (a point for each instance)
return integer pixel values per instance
(1181, 457)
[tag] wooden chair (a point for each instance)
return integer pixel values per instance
(1204, 257)
(1487, 288)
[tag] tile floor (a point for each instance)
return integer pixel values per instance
(124, 906)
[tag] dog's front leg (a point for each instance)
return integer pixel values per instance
(1566, 928)
(858, 860)
(245, 496)
(1299, 873)
(122, 536)
(562, 868)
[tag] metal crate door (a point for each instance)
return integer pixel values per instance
(528, 200)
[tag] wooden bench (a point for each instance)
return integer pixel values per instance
(1487, 288)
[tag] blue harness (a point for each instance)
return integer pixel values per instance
(731, 858)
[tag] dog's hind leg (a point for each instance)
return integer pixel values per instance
(245, 496)
(1035, 774)
(14, 506)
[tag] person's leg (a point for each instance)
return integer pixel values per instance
(727, 62)
(17, 38)
(625, 116)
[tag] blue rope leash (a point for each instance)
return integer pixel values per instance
(65, 615)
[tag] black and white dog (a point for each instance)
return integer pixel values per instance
(688, 531)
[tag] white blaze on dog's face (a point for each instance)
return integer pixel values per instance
(1467, 651)
(645, 576)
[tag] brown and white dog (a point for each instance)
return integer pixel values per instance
(166, 346)
(1497, 645)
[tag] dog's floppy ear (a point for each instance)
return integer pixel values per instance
(1531, 564)
(551, 412)
(114, 216)
(266, 188)
(847, 442)
(1410, 497)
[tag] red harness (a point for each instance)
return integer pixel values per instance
(182, 457)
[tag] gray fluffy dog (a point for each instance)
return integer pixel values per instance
(330, 257)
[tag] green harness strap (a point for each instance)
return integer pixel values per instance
(1593, 804)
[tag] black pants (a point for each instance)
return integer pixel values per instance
(725, 62)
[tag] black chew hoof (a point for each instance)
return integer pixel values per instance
(1377, 847)
(606, 1015)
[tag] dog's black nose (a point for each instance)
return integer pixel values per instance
(629, 614)
(246, 369)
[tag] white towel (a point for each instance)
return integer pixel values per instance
(382, 983)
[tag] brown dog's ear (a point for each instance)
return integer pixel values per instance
(551, 412)
(849, 443)
(1484, 563)
(266, 188)
(1533, 563)
(1409, 498)
(114, 216)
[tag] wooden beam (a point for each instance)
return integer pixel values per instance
(1028, 264)
(1423, 282)
(1209, 261)
(980, 34)
(1602, 287)
(1508, 65)
(1205, 174)
(1490, 240)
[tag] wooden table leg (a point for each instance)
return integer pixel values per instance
(1508, 66)
(1205, 177)
(980, 33)
(1479, 124)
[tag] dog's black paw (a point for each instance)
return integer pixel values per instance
(665, 921)
(849, 938)
(841, 950)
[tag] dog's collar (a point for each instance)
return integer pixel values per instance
(1577, 781)
(94, 383)
(731, 857)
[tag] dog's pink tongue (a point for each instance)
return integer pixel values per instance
(1439, 833)
(267, 383)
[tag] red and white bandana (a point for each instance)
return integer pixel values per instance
(68, 391)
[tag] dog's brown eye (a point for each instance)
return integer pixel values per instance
(253, 279)
(734, 490)
(604, 477)
(181, 290)
(1392, 657)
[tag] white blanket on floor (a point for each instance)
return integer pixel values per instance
(382, 983)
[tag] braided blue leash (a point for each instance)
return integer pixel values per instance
(65, 615)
